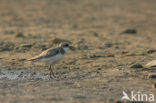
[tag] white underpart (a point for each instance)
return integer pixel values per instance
(66, 49)
(53, 59)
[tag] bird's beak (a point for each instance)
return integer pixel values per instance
(72, 48)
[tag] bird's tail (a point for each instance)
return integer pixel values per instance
(33, 59)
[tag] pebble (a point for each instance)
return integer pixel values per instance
(108, 45)
(95, 34)
(58, 40)
(137, 66)
(130, 31)
(154, 86)
(119, 102)
(151, 51)
(124, 52)
(40, 46)
(9, 32)
(152, 75)
(4, 48)
(25, 45)
(100, 55)
(75, 26)
(20, 35)
(140, 53)
(22, 60)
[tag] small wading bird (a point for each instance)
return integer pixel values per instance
(53, 55)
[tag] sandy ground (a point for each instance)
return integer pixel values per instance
(97, 71)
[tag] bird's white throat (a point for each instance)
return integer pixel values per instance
(66, 48)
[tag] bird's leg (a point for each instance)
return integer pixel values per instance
(52, 75)
(49, 67)
(51, 72)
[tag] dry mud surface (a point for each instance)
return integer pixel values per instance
(111, 39)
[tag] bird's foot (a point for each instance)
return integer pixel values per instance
(58, 77)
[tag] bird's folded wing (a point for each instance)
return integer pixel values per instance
(46, 54)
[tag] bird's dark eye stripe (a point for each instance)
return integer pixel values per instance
(66, 45)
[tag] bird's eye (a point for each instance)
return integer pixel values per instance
(66, 45)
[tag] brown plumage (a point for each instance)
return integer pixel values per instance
(48, 53)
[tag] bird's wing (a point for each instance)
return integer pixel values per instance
(47, 53)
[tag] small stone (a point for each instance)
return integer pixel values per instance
(40, 46)
(152, 75)
(32, 36)
(124, 52)
(9, 32)
(26, 45)
(75, 26)
(109, 55)
(101, 47)
(6, 46)
(140, 53)
(154, 86)
(130, 31)
(58, 40)
(4, 49)
(23, 47)
(99, 68)
(151, 51)
(130, 54)
(119, 102)
(108, 45)
(22, 60)
(95, 34)
(137, 66)
(94, 56)
(20, 35)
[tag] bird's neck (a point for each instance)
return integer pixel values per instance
(66, 49)
(62, 51)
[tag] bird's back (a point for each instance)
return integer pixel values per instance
(47, 54)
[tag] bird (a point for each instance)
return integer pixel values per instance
(53, 55)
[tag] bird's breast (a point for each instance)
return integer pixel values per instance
(55, 58)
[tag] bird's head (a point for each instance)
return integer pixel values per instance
(66, 46)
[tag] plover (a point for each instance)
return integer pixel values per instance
(53, 55)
